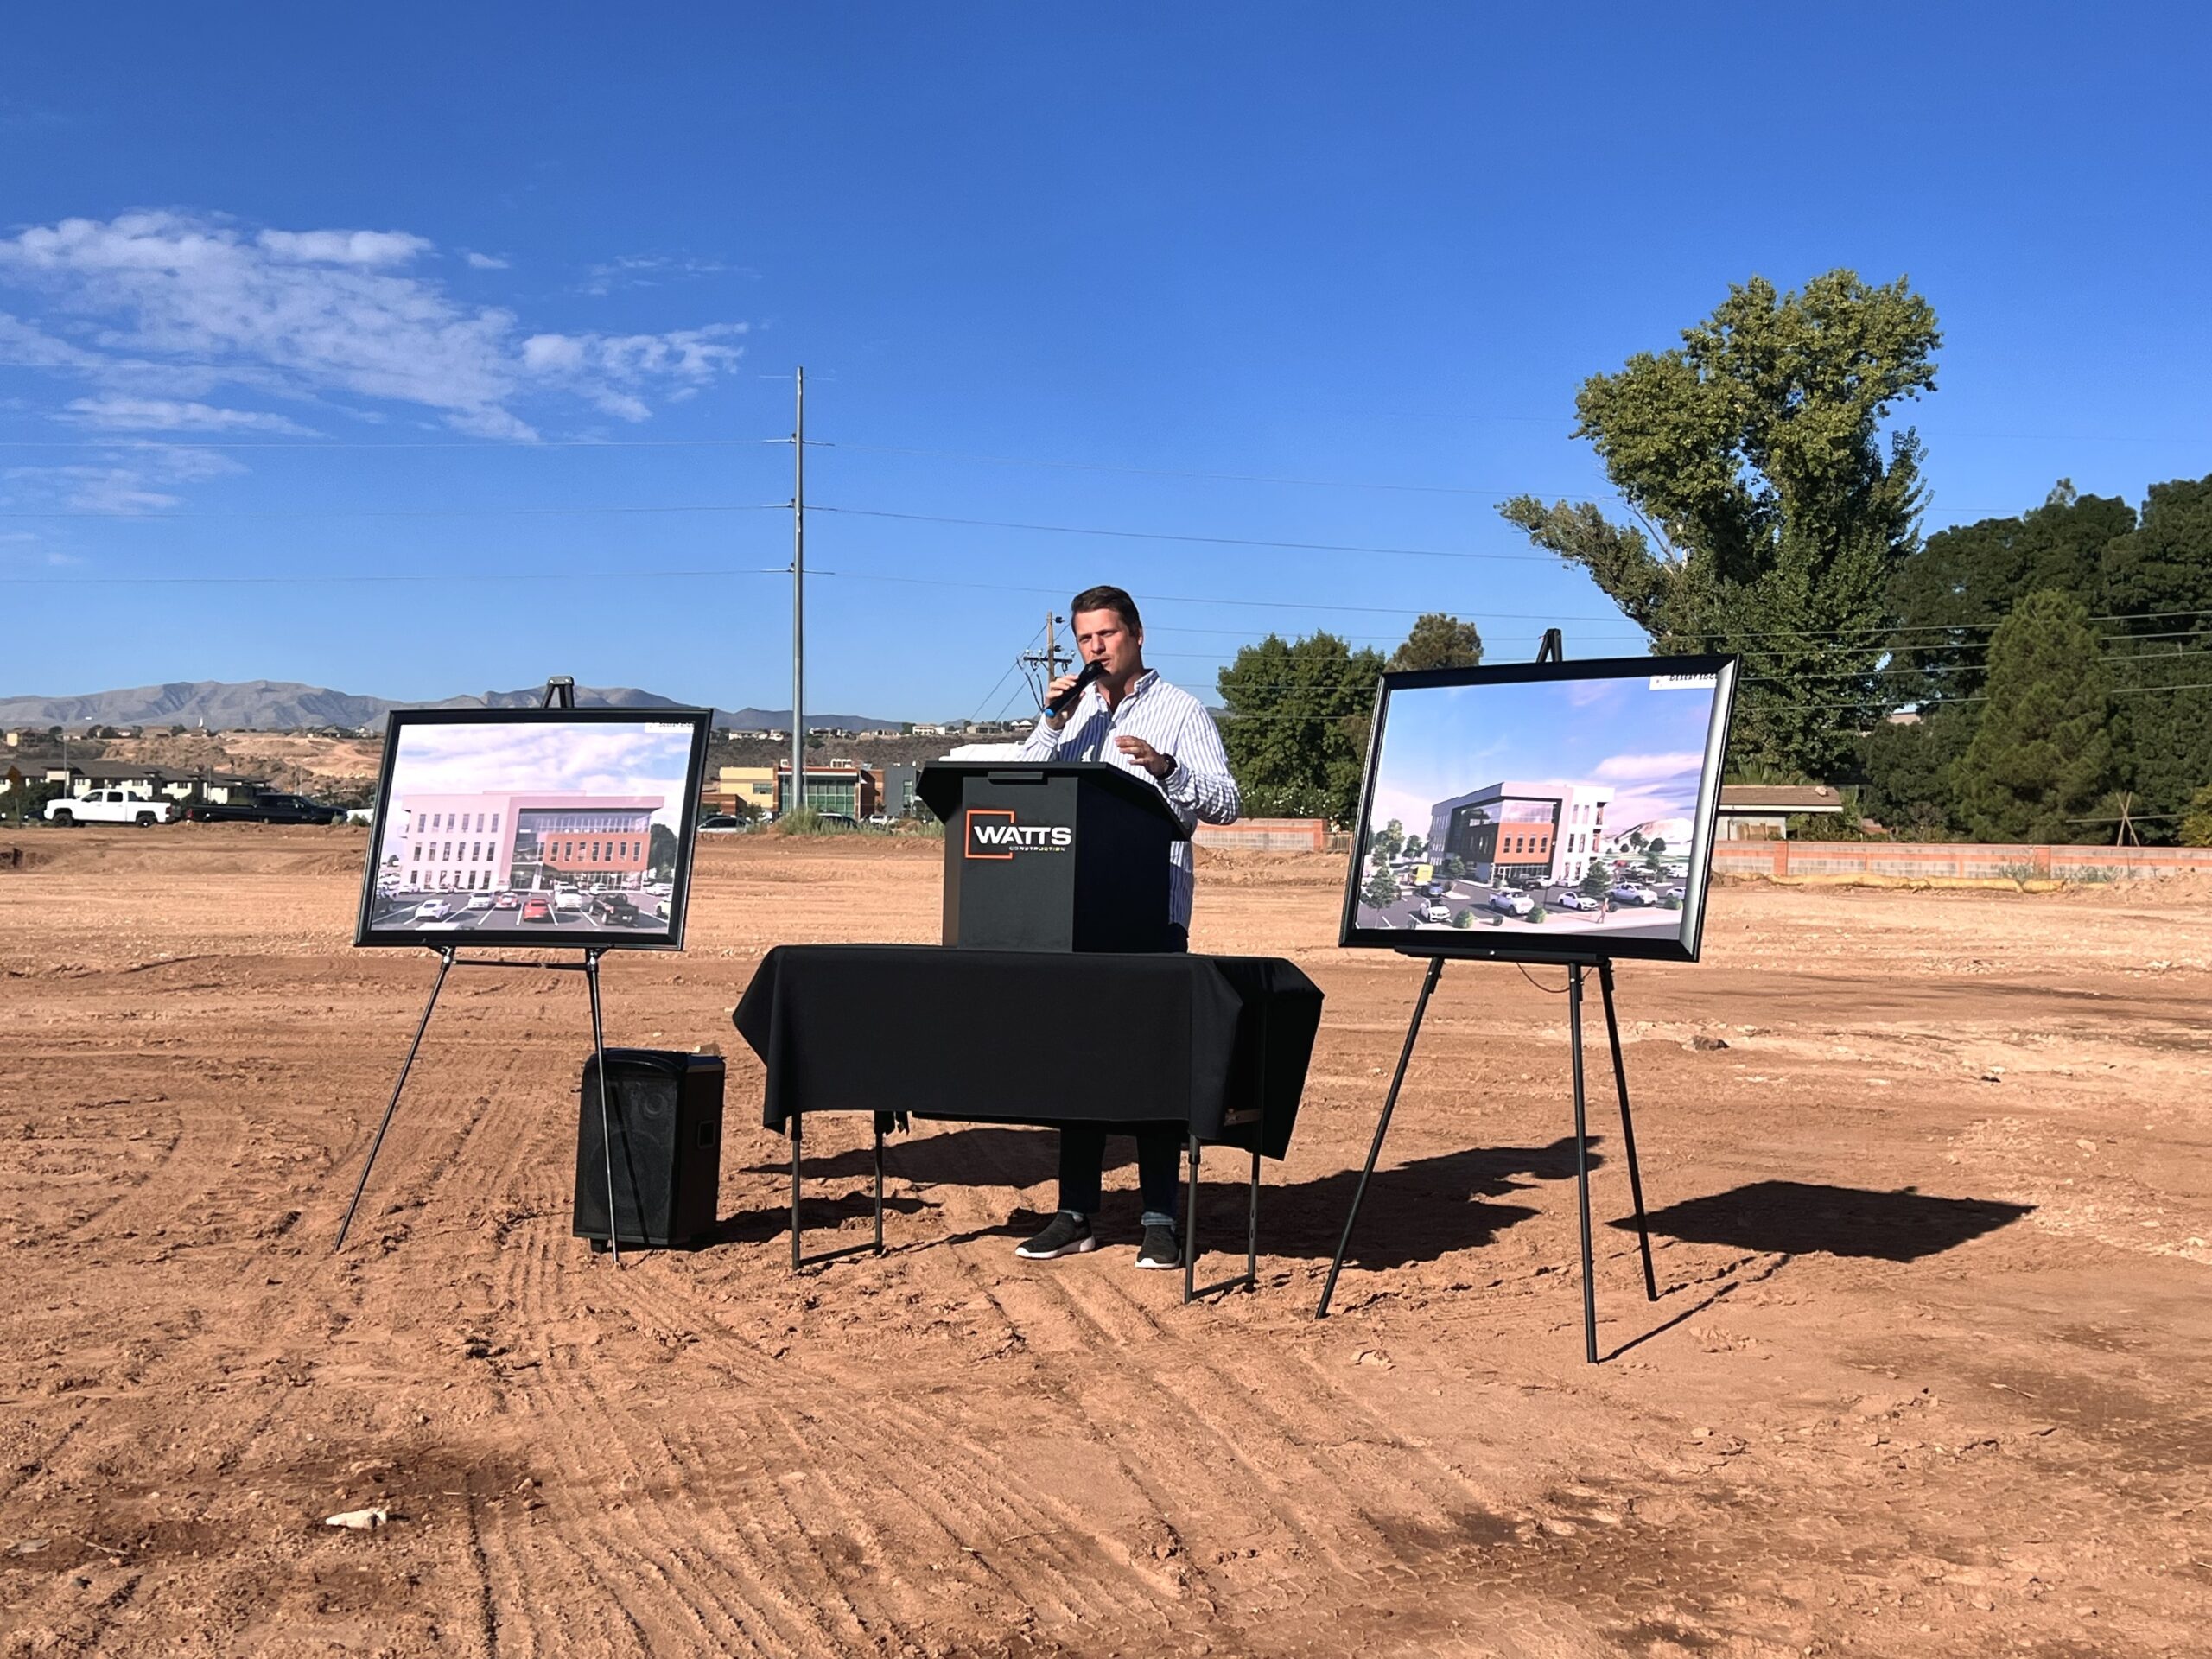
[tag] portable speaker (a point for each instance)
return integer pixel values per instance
(666, 1134)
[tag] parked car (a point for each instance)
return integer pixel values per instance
(433, 910)
(479, 901)
(110, 806)
(265, 808)
(506, 901)
(1676, 893)
(1572, 898)
(721, 823)
(567, 899)
(1512, 902)
(1630, 893)
(614, 910)
(535, 909)
(838, 820)
(1432, 912)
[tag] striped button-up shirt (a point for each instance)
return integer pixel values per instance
(1175, 723)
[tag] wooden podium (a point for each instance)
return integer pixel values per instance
(1061, 855)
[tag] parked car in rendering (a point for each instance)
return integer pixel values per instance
(479, 901)
(506, 901)
(433, 910)
(1512, 903)
(613, 910)
(1572, 898)
(535, 909)
(567, 899)
(111, 806)
(1630, 893)
(1434, 912)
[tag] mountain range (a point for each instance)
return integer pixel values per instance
(281, 705)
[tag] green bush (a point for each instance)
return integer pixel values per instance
(1465, 919)
(1538, 914)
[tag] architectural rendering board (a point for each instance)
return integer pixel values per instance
(1545, 810)
(565, 826)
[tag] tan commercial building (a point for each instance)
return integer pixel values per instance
(734, 789)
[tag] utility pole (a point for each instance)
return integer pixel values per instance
(1049, 658)
(797, 799)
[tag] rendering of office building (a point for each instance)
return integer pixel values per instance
(522, 840)
(1510, 832)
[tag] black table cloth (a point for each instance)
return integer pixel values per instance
(1219, 1043)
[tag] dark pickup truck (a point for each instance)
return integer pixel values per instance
(264, 808)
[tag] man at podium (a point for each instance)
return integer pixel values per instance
(1130, 717)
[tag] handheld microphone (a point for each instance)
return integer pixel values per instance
(1066, 700)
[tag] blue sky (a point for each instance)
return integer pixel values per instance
(1647, 745)
(506, 299)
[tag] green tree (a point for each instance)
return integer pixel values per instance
(1415, 847)
(1386, 842)
(1453, 868)
(2196, 823)
(1911, 790)
(2043, 751)
(2157, 589)
(660, 852)
(1439, 641)
(1298, 714)
(1949, 595)
(1770, 518)
(1595, 880)
(1382, 889)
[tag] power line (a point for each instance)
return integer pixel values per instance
(401, 512)
(1171, 536)
(1177, 471)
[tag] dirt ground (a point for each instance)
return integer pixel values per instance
(1929, 1373)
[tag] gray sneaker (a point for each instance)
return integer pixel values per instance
(1065, 1235)
(1160, 1249)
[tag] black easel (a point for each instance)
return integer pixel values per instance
(1552, 651)
(560, 693)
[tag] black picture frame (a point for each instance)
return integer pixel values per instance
(367, 933)
(1532, 944)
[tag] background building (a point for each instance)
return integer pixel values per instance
(835, 786)
(737, 789)
(1508, 831)
(521, 839)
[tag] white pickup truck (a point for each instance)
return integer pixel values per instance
(111, 806)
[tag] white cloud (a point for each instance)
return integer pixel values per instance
(651, 271)
(122, 414)
(484, 262)
(166, 308)
(1648, 768)
(124, 480)
(344, 247)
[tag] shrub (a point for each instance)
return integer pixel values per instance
(1465, 919)
(1538, 914)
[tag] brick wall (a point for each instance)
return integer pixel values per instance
(1927, 859)
(1267, 835)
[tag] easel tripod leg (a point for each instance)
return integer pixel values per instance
(1191, 1230)
(1628, 1130)
(445, 963)
(796, 1121)
(1381, 1128)
(879, 1186)
(1252, 1227)
(606, 1105)
(1582, 1163)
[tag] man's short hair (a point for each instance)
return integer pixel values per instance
(1107, 599)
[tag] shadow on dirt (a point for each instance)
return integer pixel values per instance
(1799, 1218)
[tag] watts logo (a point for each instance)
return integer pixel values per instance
(993, 833)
